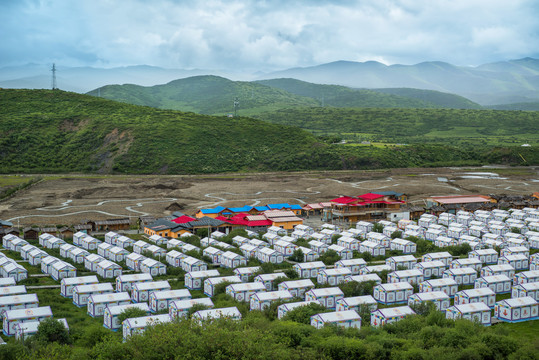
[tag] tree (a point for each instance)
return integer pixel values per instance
(202, 233)
(424, 308)
(330, 257)
(131, 312)
(377, 227)
(396, 234)
(221, 288)
(296, 256)
(291, 274)
(52, 330)
(195, 308)
(354, 288)
(302, 314)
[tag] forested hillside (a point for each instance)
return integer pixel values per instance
(525, 106)
(206, 95)
(440, 99)
(215, 95)
(446, 126)
(342, 96)
(56, 131)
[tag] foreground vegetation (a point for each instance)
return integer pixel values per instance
(56, 131)
(259, 336)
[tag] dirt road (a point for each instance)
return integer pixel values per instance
(69, 199)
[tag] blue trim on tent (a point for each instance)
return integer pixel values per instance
(245, 208)
(278, 206)
(215, 210)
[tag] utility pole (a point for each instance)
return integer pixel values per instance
(236, 106)
(54, 87)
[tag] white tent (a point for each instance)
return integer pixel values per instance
(346, 318)
(110, 317)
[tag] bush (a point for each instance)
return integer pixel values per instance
(424, 308)
(220, 288)
(291, 274)
(364, 255)
(335, 238)
(202, 233)
(195, 308)
(52, 330)
(93, 335)
(354, 288)
(296, 256)
(377, 227)
(302, 314)
(129, 313)
(330, 257)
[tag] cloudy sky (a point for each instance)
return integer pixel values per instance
(264, 35)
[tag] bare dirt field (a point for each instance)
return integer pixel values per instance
(68, 199)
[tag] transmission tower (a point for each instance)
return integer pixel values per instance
(236, 106)
(54, 76)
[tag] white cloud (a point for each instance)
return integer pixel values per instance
(266, 35)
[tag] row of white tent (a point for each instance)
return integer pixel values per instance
(269, 278)
(20, 311)
(493, 226)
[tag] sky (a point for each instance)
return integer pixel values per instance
(265, 35)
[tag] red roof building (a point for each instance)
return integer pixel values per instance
(246, 220)
(183, 219)
(369, 206)
(370, 196)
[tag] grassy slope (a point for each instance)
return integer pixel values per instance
(60, 131)
(56, 131)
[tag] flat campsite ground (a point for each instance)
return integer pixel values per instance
(68, 199)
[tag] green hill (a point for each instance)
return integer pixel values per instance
(448, 126)
(342, 96)
(440, 99)
(56, 131)
(206, 95)
(215, 95)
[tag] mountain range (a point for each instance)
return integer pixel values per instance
(496, 83)
(506, 82)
